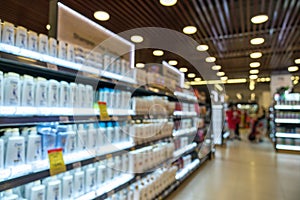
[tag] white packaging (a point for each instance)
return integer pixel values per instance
(92, 137)
(117, 166)
(67, 186)
(123, 67)
(90, 179)
(70, 53)
(12, 89)
(52, 47)
(116, 133)
(21, 37)
(118, 68)
(89, 96)
(100, 174)
(1, 154)
(73, 95)
(53, 189)
(9, 195)
(27, 91)
(101, 135)
(109, 170)
(71, 146)
(78, 183)
(38, 193)
(8, 33)
(41, 93)
(34, 146)
(62, 50)
(1, 88)
(32, 41)
(53, 93)
(125, 163)
(81, 95)
(81, 137)
(64, 94)
(106, 62)
(15, 148)
(43, 44)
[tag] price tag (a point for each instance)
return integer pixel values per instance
(52, 66)
(108, 156)
(64, 119)
(103, 111)
(56, 160)
(110, 193)
(132, 148)
(76, 165)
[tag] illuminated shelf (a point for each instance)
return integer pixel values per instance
(287, 121)
(188, 169)
(185, 113)
(183, 132)
(189, 148)
(288, 135)
(287, 107)
(287, 147)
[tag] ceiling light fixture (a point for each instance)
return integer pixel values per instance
(254, 64)
(139, 65)
(220, 73)
(158, 53)
(191, 75)
(168, 2)
(237, 80)
(256, 55)
(253, 76)
(189, 30)
(254, 71)
(173, 62)
(202, 47)
(293, 68)
(210, 59)
(297, 61)
(197, 79)
(216, 67)
(183, 69)
(258, 19)
(48, 27)
(268, 79)
(239, 96)
(101, 15)
(224, 78)
(137, 38)
(257, 41)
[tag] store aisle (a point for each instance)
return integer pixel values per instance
(244, 171)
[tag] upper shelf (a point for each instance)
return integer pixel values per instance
(287, 107)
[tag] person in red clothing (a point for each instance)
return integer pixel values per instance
(233, 117)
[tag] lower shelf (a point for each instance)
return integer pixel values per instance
(287, 147)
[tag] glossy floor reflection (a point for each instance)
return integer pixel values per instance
(244, 171)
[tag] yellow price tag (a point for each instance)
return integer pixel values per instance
(56, 160)
(103, 111)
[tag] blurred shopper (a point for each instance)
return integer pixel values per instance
(237, 116)
(233, 118)
(258, 127)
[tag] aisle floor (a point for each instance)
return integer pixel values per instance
(247, 171)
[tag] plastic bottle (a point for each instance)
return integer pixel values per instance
(34, 146)
(1, 88)
(48, 135)
(36, 191)
(81, 137)
(62, 137)
(43, 44)
(32, 41)
(100, 173)
(73, 95)
(8, 33)
(27, 92)
(12, 89)
(90, 179)
(67, 186)
(109, 133)
(64, 94)
(52, 47)
(117, 136)
(62, 50)
(41, 94)
(79, 185)
(92, 137)
(1, 153)
(15, 148)
(70, 53)
(81, 95)
(21, 37)
(53, 93)
(9, 195)
(89, 96)
(71, 144)
(53, 191)
(101, 134)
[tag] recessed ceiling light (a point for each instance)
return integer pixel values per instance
(253, 76)
(251, 87)
(254, 71)
(254, 64)
(189, 30)
(256, 55)
(220, 73)
(202, 47)
(197, 79)
(297, 61)
(216, 67)
(191, 75)
(140, 65)
(293, 68)
(258, 19)
(210, 59)
(173, 62)
(224, 78)
(137, 38)
(168, 2)
(158, 52)
(48, 27)
(101, 15)
(268, 79)
(256, 41)
(183, 69)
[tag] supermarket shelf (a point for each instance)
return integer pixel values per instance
(183, 132)
(168, 191)
(287, 107)
(184, 114)
(288, 135)
(287, 147)
(287, 121)
(183, 173)
(185, 150)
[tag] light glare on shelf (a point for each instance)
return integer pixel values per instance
(101, 15)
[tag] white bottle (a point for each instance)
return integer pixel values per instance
(27, 92)
(9, 195)
(78, 183)
(1, 153)
(37, 191)
(53, 191)
(52, 47)
(53, 93)
(64, 94)
(43, 44)
(73, 95)
(34, 146)
(41, 92)
(81, 95)
(70, 53)
(92, 137)
(15, 148)
(109, 169)
(100, 173)
(8, 33)
(32, 41)
(67, 186)
(71, 145)
(81, 137)
(21, 37)
(12, 89)
(1, 87)
(89, 96)
(90, 179)
(62, 50)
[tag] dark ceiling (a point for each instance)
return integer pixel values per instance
(224, 25)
